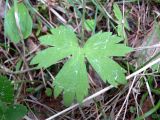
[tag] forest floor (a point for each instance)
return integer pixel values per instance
(138, 99)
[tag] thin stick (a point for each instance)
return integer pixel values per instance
(54, 12)
(127, 97)
(149, 91)
(85, 100)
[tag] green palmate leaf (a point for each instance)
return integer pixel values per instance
(25, 23)
(72, 79)
(65, 44)
(6, 90)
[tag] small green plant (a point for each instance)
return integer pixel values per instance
(9, 110)
(72, 79)
(121, 21)
(18, 23)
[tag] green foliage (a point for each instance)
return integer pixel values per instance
(132, 109)
(119, 16)
(12, 112)
(6, 90)
(117, 12)
(89, 24)
(72, 78)
(30, 90)
(48, 92)
(9, 111)
(12, 23)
